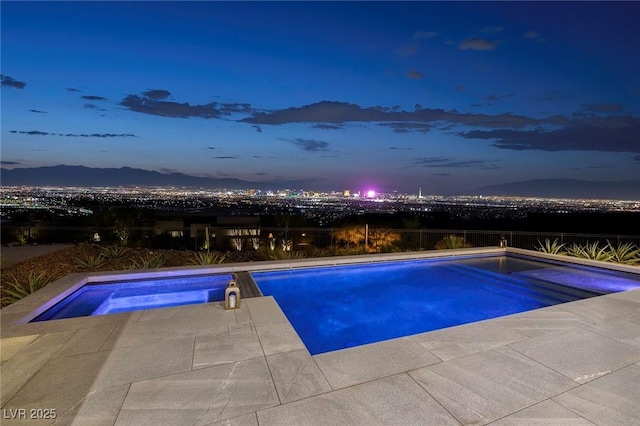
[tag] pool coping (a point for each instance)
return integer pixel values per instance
(280, 383)
(71, 283)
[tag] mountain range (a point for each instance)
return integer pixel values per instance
(63, 175)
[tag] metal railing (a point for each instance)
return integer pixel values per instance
(227, 238)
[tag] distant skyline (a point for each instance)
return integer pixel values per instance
(447, 96)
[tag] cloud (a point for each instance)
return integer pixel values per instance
(605, 108)
(342, 112)
(395, 148)
(637, 159)
(495, 98)
(440, 174)
(414, 75)
(477, 43)
(534, 35)
(93, 98)
(92, 106)
(327, 126)
(258, 129)
(157, 94)
(73, 135)
(310, 144)
(585, 133)
(403, 127)
(443, 162)
(226, 157)
(71, 89)
(211, 147)
(9, 163)
(7, 81)
(406, 51)
(150, 103)
(38, 111)
(260, 174)
(492, 30)
(531, 34)
(425, 34)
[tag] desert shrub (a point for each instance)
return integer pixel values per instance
(208, 258)
(268, 254)
(89, 262)
(149, 261)
(626, 253)
(15, 290)
(452, 242)
(591, 251)
(550, 247)
(115, 251)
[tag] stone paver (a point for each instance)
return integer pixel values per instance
(486, 386)
(579, 354)
(393, 400)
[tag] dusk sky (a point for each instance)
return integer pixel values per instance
(327, 96)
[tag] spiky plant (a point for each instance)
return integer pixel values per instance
(551, 247)
(282, 255)
(626, 253)
(593, 251)
(452, 242)
(208, 258)
(115, 251)
(15, 290)
(89, 262)
(149, 261)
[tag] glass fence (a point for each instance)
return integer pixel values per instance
(228, 238)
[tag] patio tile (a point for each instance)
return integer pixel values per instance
(579, 354)
(540, 322)
(27, 362)
(265, 311)
(486, 386)
(279, 338)
(98, 408)
(12, 345)
(201, 396)
(466, 339)
(222, 348)
(215, 309)
(145, 332)
(625, 330)
(546, 413)
(392, 400)
(368, 362)
(86, 340)
(296, 375)
(74, 376)
(602, 307)
(246, 420)
(609, 400)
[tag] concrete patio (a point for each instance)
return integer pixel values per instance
(572, 364)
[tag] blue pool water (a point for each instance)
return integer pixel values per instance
(334, 308)
(110, 298)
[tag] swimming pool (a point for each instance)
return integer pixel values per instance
(126, 296)
(333, 308)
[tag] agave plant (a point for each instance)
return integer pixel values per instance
(626, 253)
(208, 258)
(14, 290)
(452, 242)
(89, 262)
(149, 261)
(594, 252)
(282, 254)
(115, 251)
(550, 247)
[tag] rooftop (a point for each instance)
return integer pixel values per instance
(575, 363)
